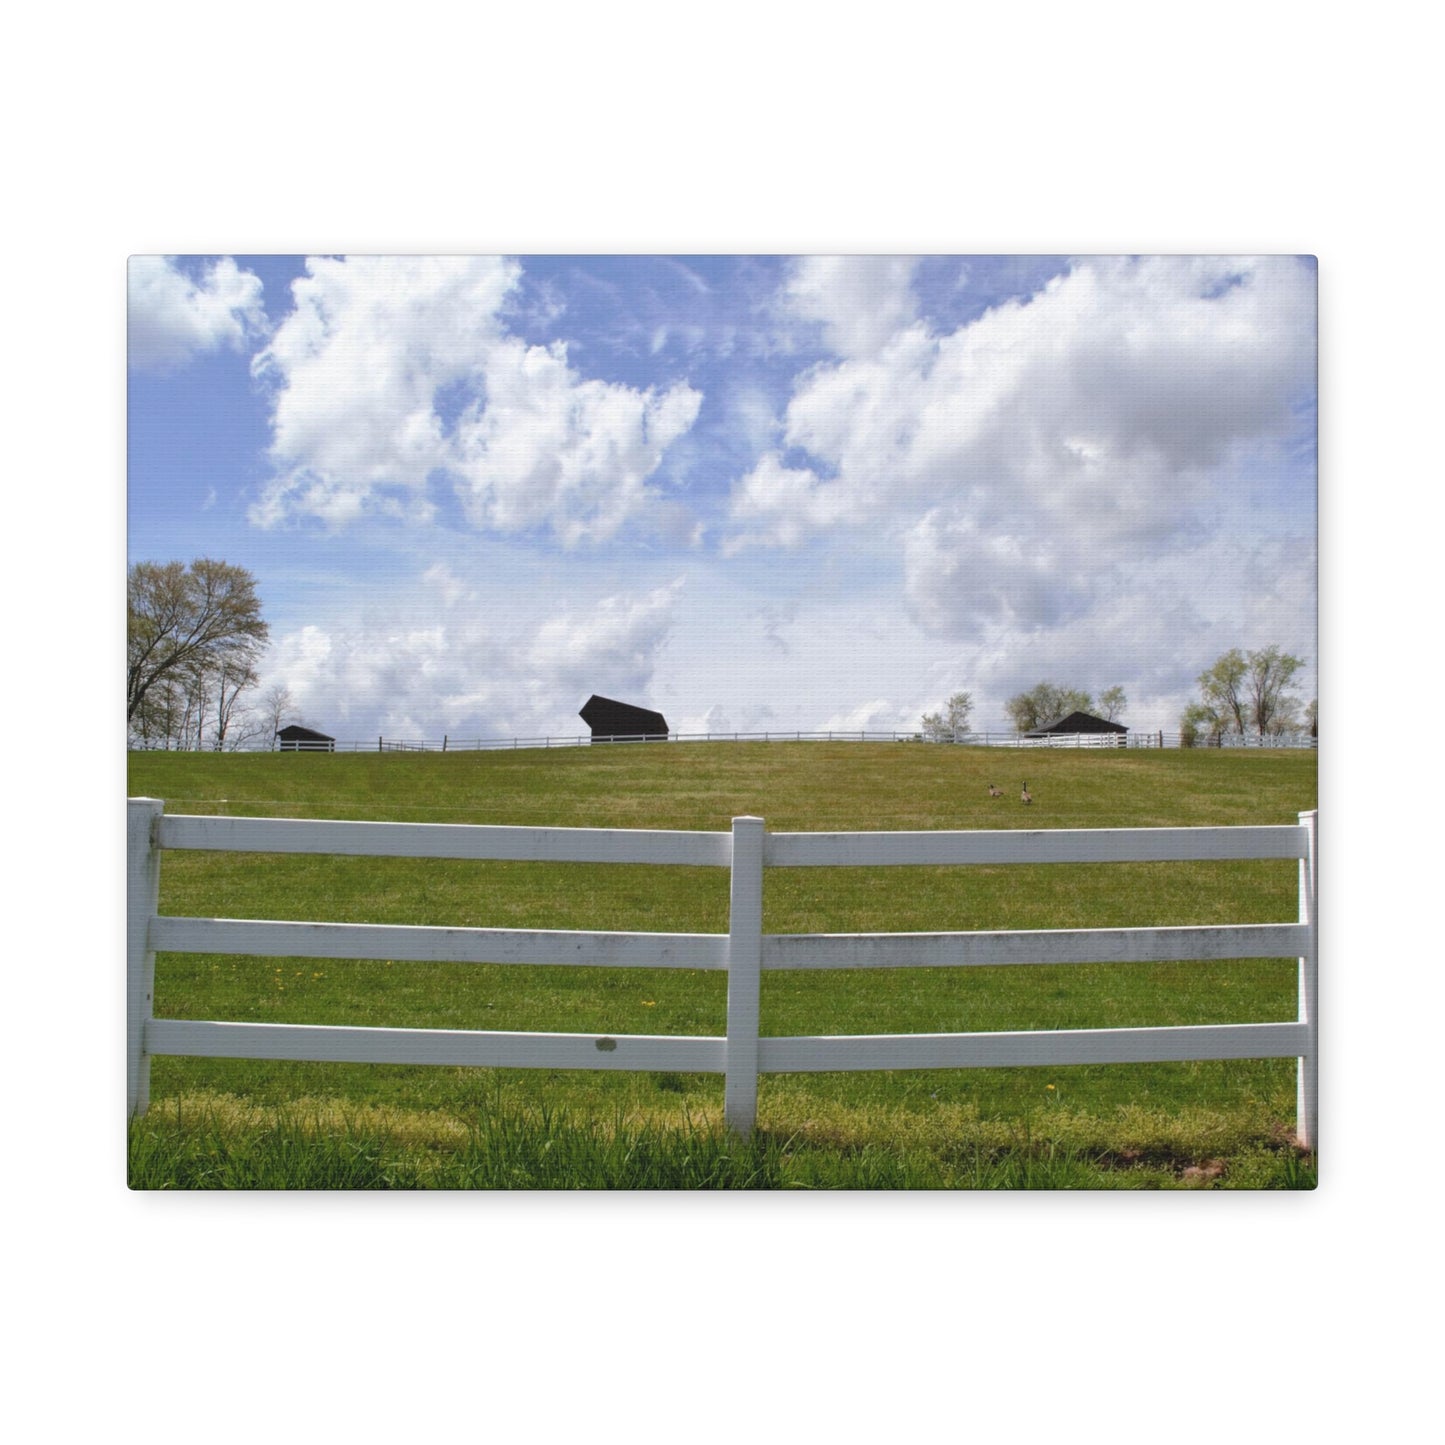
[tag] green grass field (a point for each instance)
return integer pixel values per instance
(252, 1124)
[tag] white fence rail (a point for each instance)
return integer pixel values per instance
(1133, 739)
(745, 951)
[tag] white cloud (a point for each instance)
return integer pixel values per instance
(878, 715)
(861, 301)
(172, 317)
(714, 720)
(549, 449)
(960, 580)
(468, 670)
(790, 504)
(610, 648)
(391, 369)
(356, 370)
(1020, 458)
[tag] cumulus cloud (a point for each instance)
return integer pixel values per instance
(610, 648)
(393, 369)
(549, 449)
(960, 579)
(781, 506)
(862, 302)
(172, 317)
(467, 671)
(877, 715)
(1020, 457)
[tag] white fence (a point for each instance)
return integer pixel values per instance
(745, 951)
(975, 740)
(1133, 739)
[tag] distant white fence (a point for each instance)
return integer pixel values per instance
(745, 951)
(835, 735)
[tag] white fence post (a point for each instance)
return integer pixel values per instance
(1307, 1104)
(143, 885)
(745, 958)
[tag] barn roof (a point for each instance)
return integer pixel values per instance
(1077, 722)
(294, 732)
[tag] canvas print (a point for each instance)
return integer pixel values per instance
(644, 722)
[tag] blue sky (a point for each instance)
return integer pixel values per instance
(751, 492)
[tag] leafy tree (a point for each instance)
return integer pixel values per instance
(1113, 702)
(1312, 717)
(1222, 690)
(1044, 703)
(1200, 720)
(192, 639)
(947, 726)
(1250, 690)
(1271, 708)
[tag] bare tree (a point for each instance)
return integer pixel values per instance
(278, 708)
(945, 727)
(235, 721)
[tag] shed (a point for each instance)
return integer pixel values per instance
(296, 739)
(1077, 722)
(611, 719)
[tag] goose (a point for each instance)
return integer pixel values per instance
(994, 792)
(1028, 797)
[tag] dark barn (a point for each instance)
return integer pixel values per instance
(1079, 722)
(297, 739)
(611, 719)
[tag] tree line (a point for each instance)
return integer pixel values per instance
(1241, 694)
(1044, 703)
(1246, 692)
(194, 636)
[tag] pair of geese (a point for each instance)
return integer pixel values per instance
(1025, 796)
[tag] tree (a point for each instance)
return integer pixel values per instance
(1271, 708)
(1244, 690)
(235, 722)
(156, 722)
(1221, 689)
(1113, 702)
(945, 727)
(193, 636)
(1199, 718)
(1046, 703)
(1312, 717)
(278, 708)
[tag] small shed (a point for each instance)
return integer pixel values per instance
(1078, 722)
(610, 719)
(296, 739)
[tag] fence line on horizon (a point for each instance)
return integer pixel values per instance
(448, 743)
(744, 951)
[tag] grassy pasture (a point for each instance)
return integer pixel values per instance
(1214, 1123)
